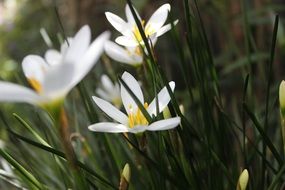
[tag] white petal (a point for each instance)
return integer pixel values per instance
(53, 57)
(132, 41)
(163, 99)
(127, 41)
(118, 23)
(10, 92)
(78, 46)
(34, 67)
(111, 110)
(103, 94)
(165, 29)
(107, 83)
(130, 17)
(58, 80)
(134, 86)
(90, 57)
(165, 124)
(158, 18)
(121, 54)
(64, 46)
(108, 127)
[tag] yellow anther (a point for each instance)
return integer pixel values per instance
(145, 105)
(35, 84)
(131, 120)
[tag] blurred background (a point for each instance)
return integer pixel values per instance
(239, 32)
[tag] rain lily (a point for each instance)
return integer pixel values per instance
(131, 36)
(55, 75)
(109, 91)
(134, 121)
(129, 55)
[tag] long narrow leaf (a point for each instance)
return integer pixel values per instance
(21, 169)
(263, 134)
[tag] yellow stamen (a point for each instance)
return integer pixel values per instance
(149, 30)
(137, 51)
(35, 84)
(137, 33)
(137, 118)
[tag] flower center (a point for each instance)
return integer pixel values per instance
(136, 51)
(35, 84)
(137, 118)
(117, 101)
(149, 30)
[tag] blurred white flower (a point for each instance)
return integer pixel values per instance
(134, 121)
(53, 77)
(129, 55)
(109, 91)
(131, 36)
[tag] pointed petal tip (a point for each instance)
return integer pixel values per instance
(90, 128)
(105, 35)
(108, 13)
(125, 74)
(166, 6)
(172, 85)
(95, 99)
(85, 29)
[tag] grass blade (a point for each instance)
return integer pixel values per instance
(21, 169)
(263, 134)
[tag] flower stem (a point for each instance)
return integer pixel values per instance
(65, 137)
(63, 127)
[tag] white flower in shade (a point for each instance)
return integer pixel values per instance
(134, 121)
(109, 91)
(131, 36)
(129, 55)
(53, 77)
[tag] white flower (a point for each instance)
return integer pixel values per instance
(131, 36)
(53, 77)
(109, 91)
(129, 55)
(134, 121)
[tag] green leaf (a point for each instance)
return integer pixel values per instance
(27, 126)
(21, 169)
(263, 134)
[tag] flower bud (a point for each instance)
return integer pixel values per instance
(125, 178)
(166, 113)
(282, 97)
(181, 107)
(243, 180)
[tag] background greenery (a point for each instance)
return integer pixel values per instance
(227, 74)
